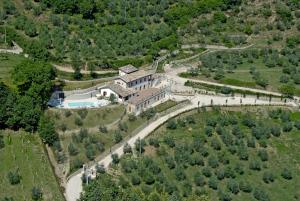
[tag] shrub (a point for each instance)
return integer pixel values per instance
(260, 194)
(100, 147)
(127, 149)
(168, 140)
(208, 131)
(199, 179)
(172, 124)
(286, 174)
(78, 121)
(14, 177)
(215, 144)
(154, 142)
(263, 154)
(82, 113)
(68, 113)
(243, 153)
(2, 144)
(179, 173)
(76, 164)
(213, 183)
(206, 171)
(90, 152)
(220, 174)
(245, 186)
(233, 186)
(287, 127)
(135, 179)
(255, 165)
(103, 129)
(239, 168)
(213, 162)
(115, 158)
(297, 125)
(36, 193)
(275, 130)
(132, 117)
(72, 149)
(118, 137)
(100, 169)
(268, 177)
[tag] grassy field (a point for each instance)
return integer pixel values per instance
(90, 118)
(7, 62)
(25, 153)
(165, 105)
(189, 142)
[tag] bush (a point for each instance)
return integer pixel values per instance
(78, 121)
(100, 169)
(213, 183)
(213, 161)
(115, 158)
(135, 179)
(2, 144)
(82, 113)
(170, 162)
(208, 131)
(215, 144)
(127, 149)
(76, 164)
(90, 152)
(14, 177)
(268, 177)
(103, 129)
(245, 186)
(36, 193)
(286, 174)
(233, 186)
(154, 142)
(172, 124)
(68, 113)
(179, 173)
(118, 137)
(255, 165)
(260, 194)
(206, 171)
(297, 125)
(72, 149)
(275, 130)
(132, 117)
(263, 155)
(168, 140)
(199, 179)
(287, 127)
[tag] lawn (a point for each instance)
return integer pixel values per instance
(7, 62)
(25, 153)
(164, 106)
(227, 152)
(90, 118)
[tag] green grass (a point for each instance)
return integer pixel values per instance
(70, 76)
(94, 117)
(26, 154)
(7, 62)
(282, 151)
(164, 106)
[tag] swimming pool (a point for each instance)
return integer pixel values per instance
(81, 104)
(88, 103)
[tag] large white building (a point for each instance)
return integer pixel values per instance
(134, 88)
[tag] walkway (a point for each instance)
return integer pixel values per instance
(74, 185)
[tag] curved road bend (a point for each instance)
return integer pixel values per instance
(74, 184)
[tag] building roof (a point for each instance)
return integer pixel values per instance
(144, 95)
(119, 90)
(135, 75)
(128, 69)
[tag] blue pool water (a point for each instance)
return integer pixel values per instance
(81, 104)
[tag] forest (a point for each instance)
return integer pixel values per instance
(100, 32)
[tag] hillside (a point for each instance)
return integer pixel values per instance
(210, 155)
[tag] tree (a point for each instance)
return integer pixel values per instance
(115, 158)
(268, 177)
(72, 149)
(287, 90)
(47, 131)
(36, 193)
(233, 186)
(87, 8)
(118, 137)
(127, 149)
(260, 194)
(263, 154)
(199, 179)
(286, 174)
(245, 186)
(213, 183)
(112, 98)
(14, 177)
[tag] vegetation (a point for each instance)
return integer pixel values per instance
(190, 163)
(25, 170)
